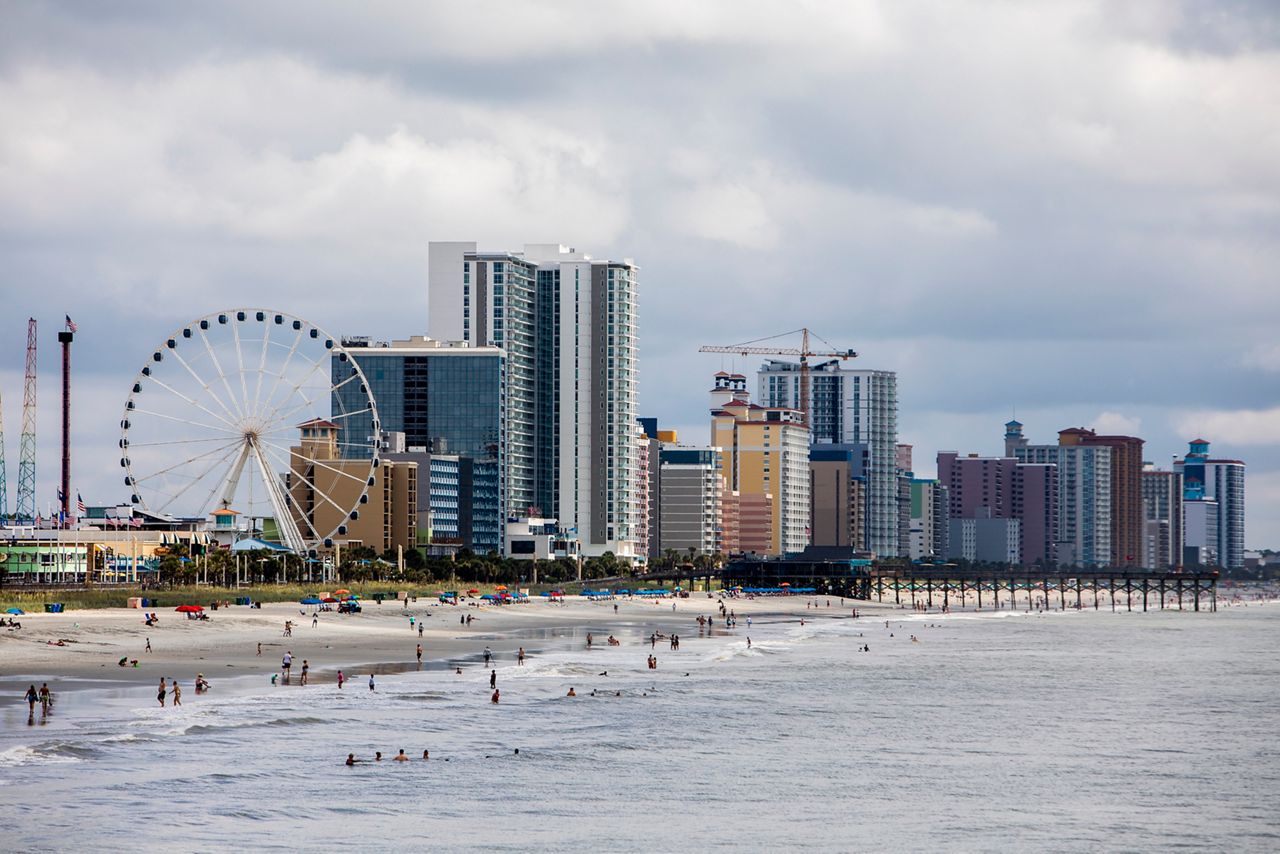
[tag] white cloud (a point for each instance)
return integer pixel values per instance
(1263, 356)
(1237, 427)
(1116, 424)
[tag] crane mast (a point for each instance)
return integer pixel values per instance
(750, 348)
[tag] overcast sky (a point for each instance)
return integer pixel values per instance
(1069, 210)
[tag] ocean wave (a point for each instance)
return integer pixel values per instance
(49, 752)
(197, 729)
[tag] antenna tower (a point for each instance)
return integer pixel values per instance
(4, 486)
(25, 510)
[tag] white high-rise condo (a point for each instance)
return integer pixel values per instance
(850, 407)
(567, 322)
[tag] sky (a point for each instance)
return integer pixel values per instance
(1067, 210)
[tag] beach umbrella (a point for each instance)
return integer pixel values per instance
(15, 611)
(785, 584)
(310, 600)
(501, 587)
(473, 591)
(341, 591)
(329, 600)
(189, 609)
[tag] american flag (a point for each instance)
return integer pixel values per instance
(135, 522)
(80, 508)
(71, 324)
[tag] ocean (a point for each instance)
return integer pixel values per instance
(996, 731)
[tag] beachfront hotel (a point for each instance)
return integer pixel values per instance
(567, 325)
(765, 459)
(850, 407)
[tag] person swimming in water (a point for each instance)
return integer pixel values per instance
(572, 693)
(400, 757)
(351, 759)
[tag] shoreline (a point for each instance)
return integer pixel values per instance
(378, 640)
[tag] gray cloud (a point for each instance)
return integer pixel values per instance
(1068, 208)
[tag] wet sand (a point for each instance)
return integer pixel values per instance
(378, 640)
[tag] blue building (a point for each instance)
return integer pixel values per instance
(449, 402)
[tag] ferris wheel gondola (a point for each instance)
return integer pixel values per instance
(257, 411)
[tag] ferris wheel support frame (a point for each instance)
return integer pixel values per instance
(252, 418)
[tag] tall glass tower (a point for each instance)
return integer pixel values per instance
(567, 323)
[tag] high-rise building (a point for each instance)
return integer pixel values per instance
(1084, 495)
(652, 442)
(567, 323)
(692, 503)
(764, 452)
(1126, 490)
(1201, 535)
(984, 539)
(1004, 488)
(837, 495)
(1162, 518)
(849, 407)
(1222, 482)
(930, 520)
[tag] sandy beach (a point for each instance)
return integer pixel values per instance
(380, 639)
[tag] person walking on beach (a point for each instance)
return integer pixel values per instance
(259, 647)
(419, 628)
(286, 664)
(177, 693)
(160, 695)
(32, 696)
(520, 657)
(341, 679)
(496, 695)
(493, 679)
(315, 620)
(487, 655)
(371, 688)
(588, 640)
(305, 668)
(419, 655)
(148, 645)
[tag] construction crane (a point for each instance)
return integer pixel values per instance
(752, 348)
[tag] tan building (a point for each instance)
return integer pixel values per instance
(1127, 523)
(323, 487)
(838, 504)
(764, 455)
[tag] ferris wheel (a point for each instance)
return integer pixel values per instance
(256, 412)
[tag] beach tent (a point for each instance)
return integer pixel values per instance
(15, 611)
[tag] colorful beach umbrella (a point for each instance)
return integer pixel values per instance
(189, 609)
(310, 600)
(340, 591)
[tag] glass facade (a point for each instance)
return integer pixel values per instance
(452, 404)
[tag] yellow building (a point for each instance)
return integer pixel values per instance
(323, 487)
(764, 457)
